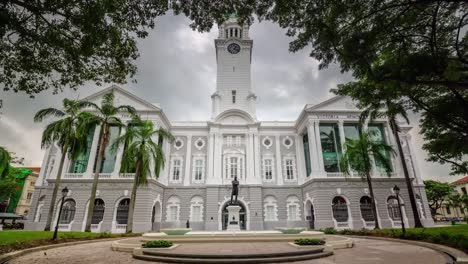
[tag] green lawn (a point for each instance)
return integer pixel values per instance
(11, 240)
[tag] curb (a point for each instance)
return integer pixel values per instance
(459, 256)
(9, 256)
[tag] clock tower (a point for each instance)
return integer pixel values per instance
(233, 59)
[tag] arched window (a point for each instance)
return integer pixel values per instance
(366, 209)
(122, 212)
(422, 212)
(98, 211)
(292, 206)
(393, 210)
(340, 209)
(68, 212)
(270, 208)
(173, 209)
(196, 209)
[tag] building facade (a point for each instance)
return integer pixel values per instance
(24, 203)
(289, 172)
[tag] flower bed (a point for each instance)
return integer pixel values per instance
(309, 242)
(157, 244)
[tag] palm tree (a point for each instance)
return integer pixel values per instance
(139, 153)
(67, 133)
(357, 158)
(391, 109)
(106, 117)
(5, 159)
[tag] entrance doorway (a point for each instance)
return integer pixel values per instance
(156, 217)
(311, 215)
(242, 216)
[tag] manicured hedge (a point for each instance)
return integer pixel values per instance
(157, 244)
(309, 241)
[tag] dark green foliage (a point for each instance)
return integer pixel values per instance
(13, 226)
(329, 231)
(157, 244)
(436, 193)
(309, 241)
(54, 44)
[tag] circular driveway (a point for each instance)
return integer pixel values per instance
(365, 251)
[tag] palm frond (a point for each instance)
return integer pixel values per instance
(5, 159)
(48, 112)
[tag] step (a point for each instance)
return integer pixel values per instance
(155, 252)
(233, 260)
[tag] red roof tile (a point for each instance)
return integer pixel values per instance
(462, 180)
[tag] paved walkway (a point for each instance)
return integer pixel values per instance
(365, 251)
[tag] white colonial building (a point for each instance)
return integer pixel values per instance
(289, 172)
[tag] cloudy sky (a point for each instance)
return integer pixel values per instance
(177, 69)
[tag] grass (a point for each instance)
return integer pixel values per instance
(454, 236)
(11, 240)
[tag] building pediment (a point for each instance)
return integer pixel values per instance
(337, 103)
(123, 97)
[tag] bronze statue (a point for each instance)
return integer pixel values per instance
(235, 190)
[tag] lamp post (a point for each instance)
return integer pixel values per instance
(64, 194)
(396, 189)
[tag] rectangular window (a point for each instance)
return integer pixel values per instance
(238, 140)
(331, 147)
(80, 164)
(176, 170)
(107, 165)
(172, 213)
(199, 168)
(305, 142)
(377, 134)
(289, 164)
(196, 213)
(292, 212)
(234, 167)
(28, 197)
(448, 210)
(233, 96)
(268, 169)
(270, 213)
(229, 140)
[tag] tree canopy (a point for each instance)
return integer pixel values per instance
(436, 193)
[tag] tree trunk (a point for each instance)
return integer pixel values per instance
(131, 208)
(102, 149)
(409, 184)
(374, 208)
(58, 178)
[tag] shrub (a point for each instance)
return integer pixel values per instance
(13, 226)
(329, 231)
(309, 241)
(157, 244)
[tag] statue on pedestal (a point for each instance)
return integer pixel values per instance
(235, 191)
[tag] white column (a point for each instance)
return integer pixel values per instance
(44, 166)
(279, 161)
(93, 153)
(210, 146)
(58, 156)
(300, 165)
(249, 176)
(188, 161)
(342, 135)
(118, 157)
(319, 149)
(394, 157)
(66, 165)
(257, 156)
(314, 158)
(164, 173)
(414, 165)
(217, 172)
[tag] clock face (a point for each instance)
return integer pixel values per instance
(234, 48)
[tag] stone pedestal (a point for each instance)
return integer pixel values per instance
(233, 220)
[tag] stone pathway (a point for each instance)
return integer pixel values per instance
(365, 251)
